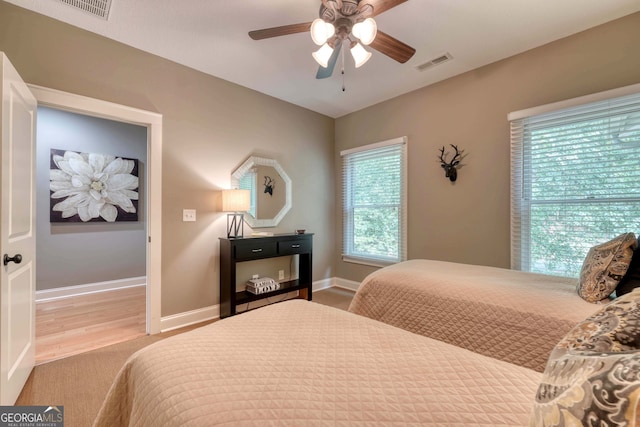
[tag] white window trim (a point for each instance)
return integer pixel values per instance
(373, 262)
(574, 102)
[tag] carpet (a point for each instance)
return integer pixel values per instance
(334, 297)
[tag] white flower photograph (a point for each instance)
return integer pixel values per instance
(90, 187)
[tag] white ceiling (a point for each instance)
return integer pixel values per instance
(211, 36)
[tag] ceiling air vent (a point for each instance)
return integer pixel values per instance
(435, 61)
(99, 8)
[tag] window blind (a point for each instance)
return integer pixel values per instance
(374, 203)
(575, 182)
(249, 182)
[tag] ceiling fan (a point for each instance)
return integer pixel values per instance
(343, 21)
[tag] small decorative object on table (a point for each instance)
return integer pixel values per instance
(261, 286)
(300, 231)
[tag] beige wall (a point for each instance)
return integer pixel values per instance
(468, 221)
(210, 127)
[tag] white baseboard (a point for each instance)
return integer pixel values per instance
(180, 320)
(346, 284)
(322, 284)
(187, 318)
(335, 282)
(90, 288)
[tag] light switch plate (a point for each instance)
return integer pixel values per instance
(188, 215)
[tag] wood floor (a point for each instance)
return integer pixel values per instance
(69, 326)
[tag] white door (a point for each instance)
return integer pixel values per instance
(17, 233)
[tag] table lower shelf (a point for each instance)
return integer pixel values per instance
(244, 297)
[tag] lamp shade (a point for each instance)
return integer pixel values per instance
(365, 31)
(236, 200)
(323, 54)
(360, 55)
(321, 31)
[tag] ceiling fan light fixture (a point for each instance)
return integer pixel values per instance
(360, 55)
(321, 31)
(339, 22)
(323, 54)
(365, 31)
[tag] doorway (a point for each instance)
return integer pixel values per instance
(153, 178)
(91, 232)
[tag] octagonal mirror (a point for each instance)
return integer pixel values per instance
(270, 189)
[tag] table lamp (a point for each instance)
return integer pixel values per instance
(236, 201)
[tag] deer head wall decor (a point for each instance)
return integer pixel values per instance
(268, 185)
(450, 168)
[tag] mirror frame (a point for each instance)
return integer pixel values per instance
(261, 161)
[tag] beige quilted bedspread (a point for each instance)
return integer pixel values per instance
(510, 315)
(298, 363)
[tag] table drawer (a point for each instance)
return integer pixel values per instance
(255, 249)
(291, 247)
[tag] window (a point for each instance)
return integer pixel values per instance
(374, 203)
(575, 179)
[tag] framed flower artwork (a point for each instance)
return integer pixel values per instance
(91, 187)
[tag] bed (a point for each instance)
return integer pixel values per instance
(510, 315)
(301, 363)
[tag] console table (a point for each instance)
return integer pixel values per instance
(235, 250)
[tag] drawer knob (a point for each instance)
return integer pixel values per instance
(255, 251)
(295, 246)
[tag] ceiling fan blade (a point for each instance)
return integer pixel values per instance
(379, 6)
(392, 47)
(325, 72)
(280, 31)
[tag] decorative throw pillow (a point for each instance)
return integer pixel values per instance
(592, 377)
(631, 279)
(604, 267)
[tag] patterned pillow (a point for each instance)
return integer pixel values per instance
(593, 374)
(604, 267)
(631, 279)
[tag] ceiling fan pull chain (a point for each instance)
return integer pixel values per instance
(342, 54)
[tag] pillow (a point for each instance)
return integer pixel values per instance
(592, 377)
(604, 267)
(631, 280)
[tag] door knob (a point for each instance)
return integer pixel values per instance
(7, 259)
